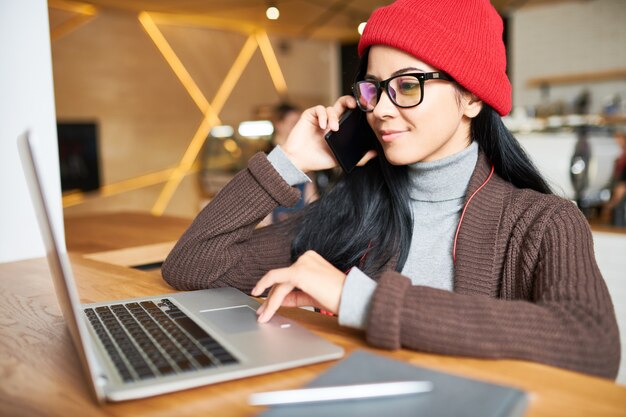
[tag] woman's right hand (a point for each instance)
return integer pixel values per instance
(306, 147)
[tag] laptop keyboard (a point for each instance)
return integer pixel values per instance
(146, 340)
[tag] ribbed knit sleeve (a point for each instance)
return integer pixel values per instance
(551, 303)
(222, 247)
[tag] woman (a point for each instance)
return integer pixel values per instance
(446, 240)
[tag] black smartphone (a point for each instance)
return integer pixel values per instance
(352, 141)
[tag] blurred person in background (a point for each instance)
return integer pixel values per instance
(614, 210)
(285, 117)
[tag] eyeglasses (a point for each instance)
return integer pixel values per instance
(404, 90)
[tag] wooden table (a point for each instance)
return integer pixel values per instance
(40, 374)
(124, 239)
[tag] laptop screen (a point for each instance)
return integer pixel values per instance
(58, 262)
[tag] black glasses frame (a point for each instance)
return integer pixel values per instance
(384, 84)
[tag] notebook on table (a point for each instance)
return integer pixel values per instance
(148, 346)
(451, 396)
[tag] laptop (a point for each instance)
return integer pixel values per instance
(141, 347)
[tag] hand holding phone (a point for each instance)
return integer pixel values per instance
(352, 141)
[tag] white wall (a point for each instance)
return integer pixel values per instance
(568, 38)
(26, 102)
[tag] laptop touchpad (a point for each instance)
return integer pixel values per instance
(233, 320)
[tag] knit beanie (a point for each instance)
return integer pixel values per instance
(461, 37)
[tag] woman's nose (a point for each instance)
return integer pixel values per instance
(384, 107)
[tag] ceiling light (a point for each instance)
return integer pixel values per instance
(222, 131)
(272, 13)
(361, 27)
(256, 129)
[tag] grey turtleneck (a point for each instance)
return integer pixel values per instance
(437, 197)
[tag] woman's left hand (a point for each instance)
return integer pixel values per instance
(310, 281)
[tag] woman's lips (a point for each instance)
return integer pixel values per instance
(390, 135)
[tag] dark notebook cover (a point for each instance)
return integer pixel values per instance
(451, 396)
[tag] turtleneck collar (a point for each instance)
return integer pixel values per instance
(444, 179)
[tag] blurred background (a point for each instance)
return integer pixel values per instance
(151, 95)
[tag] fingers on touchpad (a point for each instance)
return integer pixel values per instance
(238, 319)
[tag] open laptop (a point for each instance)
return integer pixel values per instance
(148, 346)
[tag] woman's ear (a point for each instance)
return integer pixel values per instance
(472, 105)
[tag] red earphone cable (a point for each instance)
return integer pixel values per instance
(458, 228)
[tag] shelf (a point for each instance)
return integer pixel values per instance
(582, 77)
(541, 124)
(618, 119)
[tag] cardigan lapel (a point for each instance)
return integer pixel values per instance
(479, 254)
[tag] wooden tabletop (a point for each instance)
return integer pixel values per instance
(111, 231)
(40, 373)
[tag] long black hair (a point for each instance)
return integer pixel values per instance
(509, 159)
(365, 219)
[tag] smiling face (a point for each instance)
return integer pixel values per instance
(437, 128)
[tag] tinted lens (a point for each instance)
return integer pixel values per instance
(405, 90)
(366, 95)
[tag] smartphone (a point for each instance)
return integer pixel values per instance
(352, 141)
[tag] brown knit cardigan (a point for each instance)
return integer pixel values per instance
(526, 283)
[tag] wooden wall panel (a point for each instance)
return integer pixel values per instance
(109, 70)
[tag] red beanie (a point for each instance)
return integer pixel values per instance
(460, 37)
